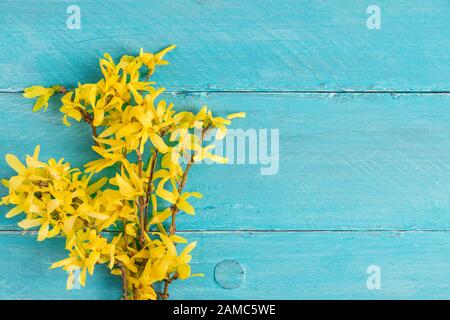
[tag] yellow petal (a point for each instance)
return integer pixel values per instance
(93, 95)
(66, 121)
(178, 239)
(14, 212)
(160, 218)
(93, 188)
(127, 262)
(40, 103)
(99, 216)
(116, 272)
(52, 205)
(160, 270)
(73, 113)
(171, 249)
(161, 54)
(99, 115)
(124, 187)
(37, 149)
(70, 281)
(110, 130)
(185, 206)
(14, 163)
(130, 230)
(82, 277)
(30, 223)
(137, 97)
(216, 158)
(63, 263)
(34, 163)
(34, 91)
(197, 195)
(188, 249)
(158, 142)
(221, 132)
(201, 114)
(68, 224)
(166, 195)
(43, 231)
(236, 115)
(184, 271)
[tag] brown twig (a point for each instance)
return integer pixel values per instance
(174, 207)
(60, 88)
(149, 74)
(94, 133)
(85, 115)
(124, 281)
(165, 293)
(150, 178)
(88, 119)
(175, 210)
(125, 237)
(150, 184)
(140, 200)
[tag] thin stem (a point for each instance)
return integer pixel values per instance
(94, 133)
(167, 282)
(85, 115)
(88, 119)
(174, 207)
(140, 200)
(124, 281)
(165, 294)
(149, 74)
(125, 237)
(150, 184)
(175, 210)
(154, 159)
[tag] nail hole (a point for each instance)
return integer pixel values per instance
(229, 274)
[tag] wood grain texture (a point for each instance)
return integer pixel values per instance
(326, 265)
(233, 45)
(364, 179)
(347, 162)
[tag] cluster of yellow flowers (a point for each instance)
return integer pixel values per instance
(144, 139)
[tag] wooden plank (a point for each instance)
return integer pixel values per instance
(358, 162)
(234, 45)
(283, 265)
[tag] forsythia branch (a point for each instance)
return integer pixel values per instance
(124, 281)
(150, 184)
(126, 116)
(141, 203)
(88, 119)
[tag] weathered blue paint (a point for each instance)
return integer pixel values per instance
(347, 162)
(234, 45)
(280, 265)
(355, 169)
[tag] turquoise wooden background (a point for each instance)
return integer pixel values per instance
(364, 122)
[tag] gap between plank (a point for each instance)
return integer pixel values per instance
(188, 92)
(250, 231)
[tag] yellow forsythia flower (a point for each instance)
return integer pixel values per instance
(43, 95)
(140, 139)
